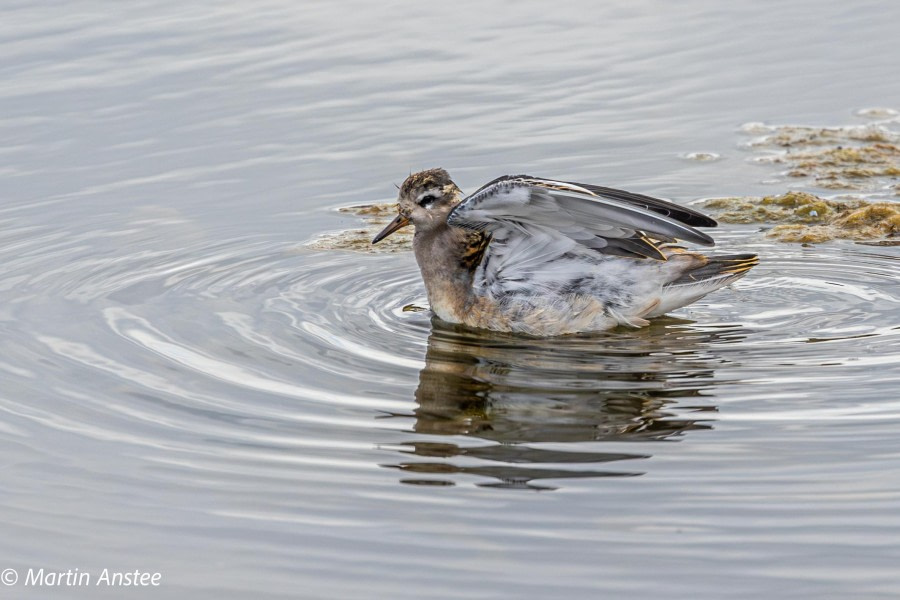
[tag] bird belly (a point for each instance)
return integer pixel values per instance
(540, 316)
(590, 296)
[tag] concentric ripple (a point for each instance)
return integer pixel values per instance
(187, 388)
(257, 348)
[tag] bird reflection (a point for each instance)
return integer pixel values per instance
(536, 409)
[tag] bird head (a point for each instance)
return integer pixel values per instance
(425, 200)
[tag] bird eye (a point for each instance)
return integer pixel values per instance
(425, 201)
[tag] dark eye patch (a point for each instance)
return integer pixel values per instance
(427, 200)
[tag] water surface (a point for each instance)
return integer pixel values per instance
(187, 388)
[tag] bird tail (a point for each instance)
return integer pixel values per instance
(729, 267)
(715, 272)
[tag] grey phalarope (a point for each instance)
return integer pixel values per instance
(544, 258)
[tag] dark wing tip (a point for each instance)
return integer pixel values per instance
(686, 215)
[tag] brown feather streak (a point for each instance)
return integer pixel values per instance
(476, 243)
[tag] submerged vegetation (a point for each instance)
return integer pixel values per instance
(376, 216)
(864, 158)
(859, 157)
(842, 167)
(806, 218)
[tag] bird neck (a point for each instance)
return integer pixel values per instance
(441, 254)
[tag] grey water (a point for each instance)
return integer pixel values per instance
(186, 388)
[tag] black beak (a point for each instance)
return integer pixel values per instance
(398, 223)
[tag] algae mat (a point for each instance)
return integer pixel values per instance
(806, 218)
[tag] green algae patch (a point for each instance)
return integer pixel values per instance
(375, 217)
(792, 207)
(860, 157)
(807, 218)
(791, 136)
(842, 167)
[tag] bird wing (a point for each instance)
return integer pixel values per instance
(604, 219)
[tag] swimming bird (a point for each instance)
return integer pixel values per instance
(544, 258)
